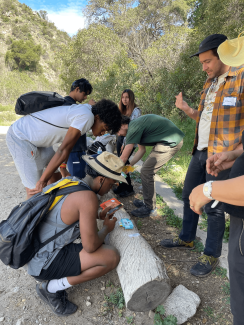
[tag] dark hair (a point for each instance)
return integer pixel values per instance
(215, 53)
(108, 113)
(132, 103)
(125, 120)
(91, 172)
(83, 84)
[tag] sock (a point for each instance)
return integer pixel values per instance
(57, 285)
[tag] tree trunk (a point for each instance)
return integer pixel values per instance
(142, 273)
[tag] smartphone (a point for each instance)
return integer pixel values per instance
(116, 208)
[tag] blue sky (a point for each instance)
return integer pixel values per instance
(66, 15)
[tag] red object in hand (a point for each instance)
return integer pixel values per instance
(110, 203)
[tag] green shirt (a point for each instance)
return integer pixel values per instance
(150, 129)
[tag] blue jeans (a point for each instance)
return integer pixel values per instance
(76, 164)
(195, 176)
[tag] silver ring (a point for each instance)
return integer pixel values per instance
(191, 206)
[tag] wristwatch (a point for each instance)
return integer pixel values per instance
(207, 190)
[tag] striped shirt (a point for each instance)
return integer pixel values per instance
(227, 121)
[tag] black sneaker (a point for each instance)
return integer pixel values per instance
(144, 211)
(205, 266)
(177, 243)
(138, 203)
(58, 301)
(126, 193)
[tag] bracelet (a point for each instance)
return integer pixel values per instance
(63, 165)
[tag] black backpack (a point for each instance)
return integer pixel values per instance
(92, 149)
(19, 241)
(36, 101)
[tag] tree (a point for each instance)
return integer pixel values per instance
(89, 54)
(23, 55)
(139, 23)
(43, 14)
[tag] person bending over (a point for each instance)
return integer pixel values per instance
(30, 139)
(166, 139)
(61, 263)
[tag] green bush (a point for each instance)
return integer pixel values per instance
(9, 6)
(23, 55)
(5, 19)
(21, 32)
(46, 31)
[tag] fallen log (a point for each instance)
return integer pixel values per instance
(141, 272)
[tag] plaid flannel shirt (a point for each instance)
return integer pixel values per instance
(227, 122)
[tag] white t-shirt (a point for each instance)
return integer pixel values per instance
(206, 117)
(42, 134)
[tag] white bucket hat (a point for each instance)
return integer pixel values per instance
(107, 164)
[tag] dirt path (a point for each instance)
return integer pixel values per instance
(19, 303)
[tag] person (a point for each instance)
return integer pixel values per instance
(230, 192)
(218, 129)
(127, 107)
(79, 91)
(30, 139)
(61, 263)
(166, 139)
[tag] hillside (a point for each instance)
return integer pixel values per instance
(18, 22)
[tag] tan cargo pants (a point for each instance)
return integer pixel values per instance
(159, 155)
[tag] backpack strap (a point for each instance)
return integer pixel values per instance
(72, 189)
(65, 191)
(57, 235)
(61, 127)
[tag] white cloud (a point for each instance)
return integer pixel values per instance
(69, 20)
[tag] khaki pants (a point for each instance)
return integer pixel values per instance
(159, 155)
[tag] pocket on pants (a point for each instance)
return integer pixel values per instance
(241, 240)
(159, 147)
(29, 149)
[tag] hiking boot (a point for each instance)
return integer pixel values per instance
(126, 193)
(138, 203)
(205, 266)
(144, 211)
(58, 301)
(177, 243)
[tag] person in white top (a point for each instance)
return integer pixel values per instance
(128, 108)
(30, 139)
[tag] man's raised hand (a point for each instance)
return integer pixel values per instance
(180, 103)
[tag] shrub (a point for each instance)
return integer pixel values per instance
(21, 32)
(23, 55)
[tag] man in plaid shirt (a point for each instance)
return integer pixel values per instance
(219, 126)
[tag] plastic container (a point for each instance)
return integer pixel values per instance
(99, 151)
